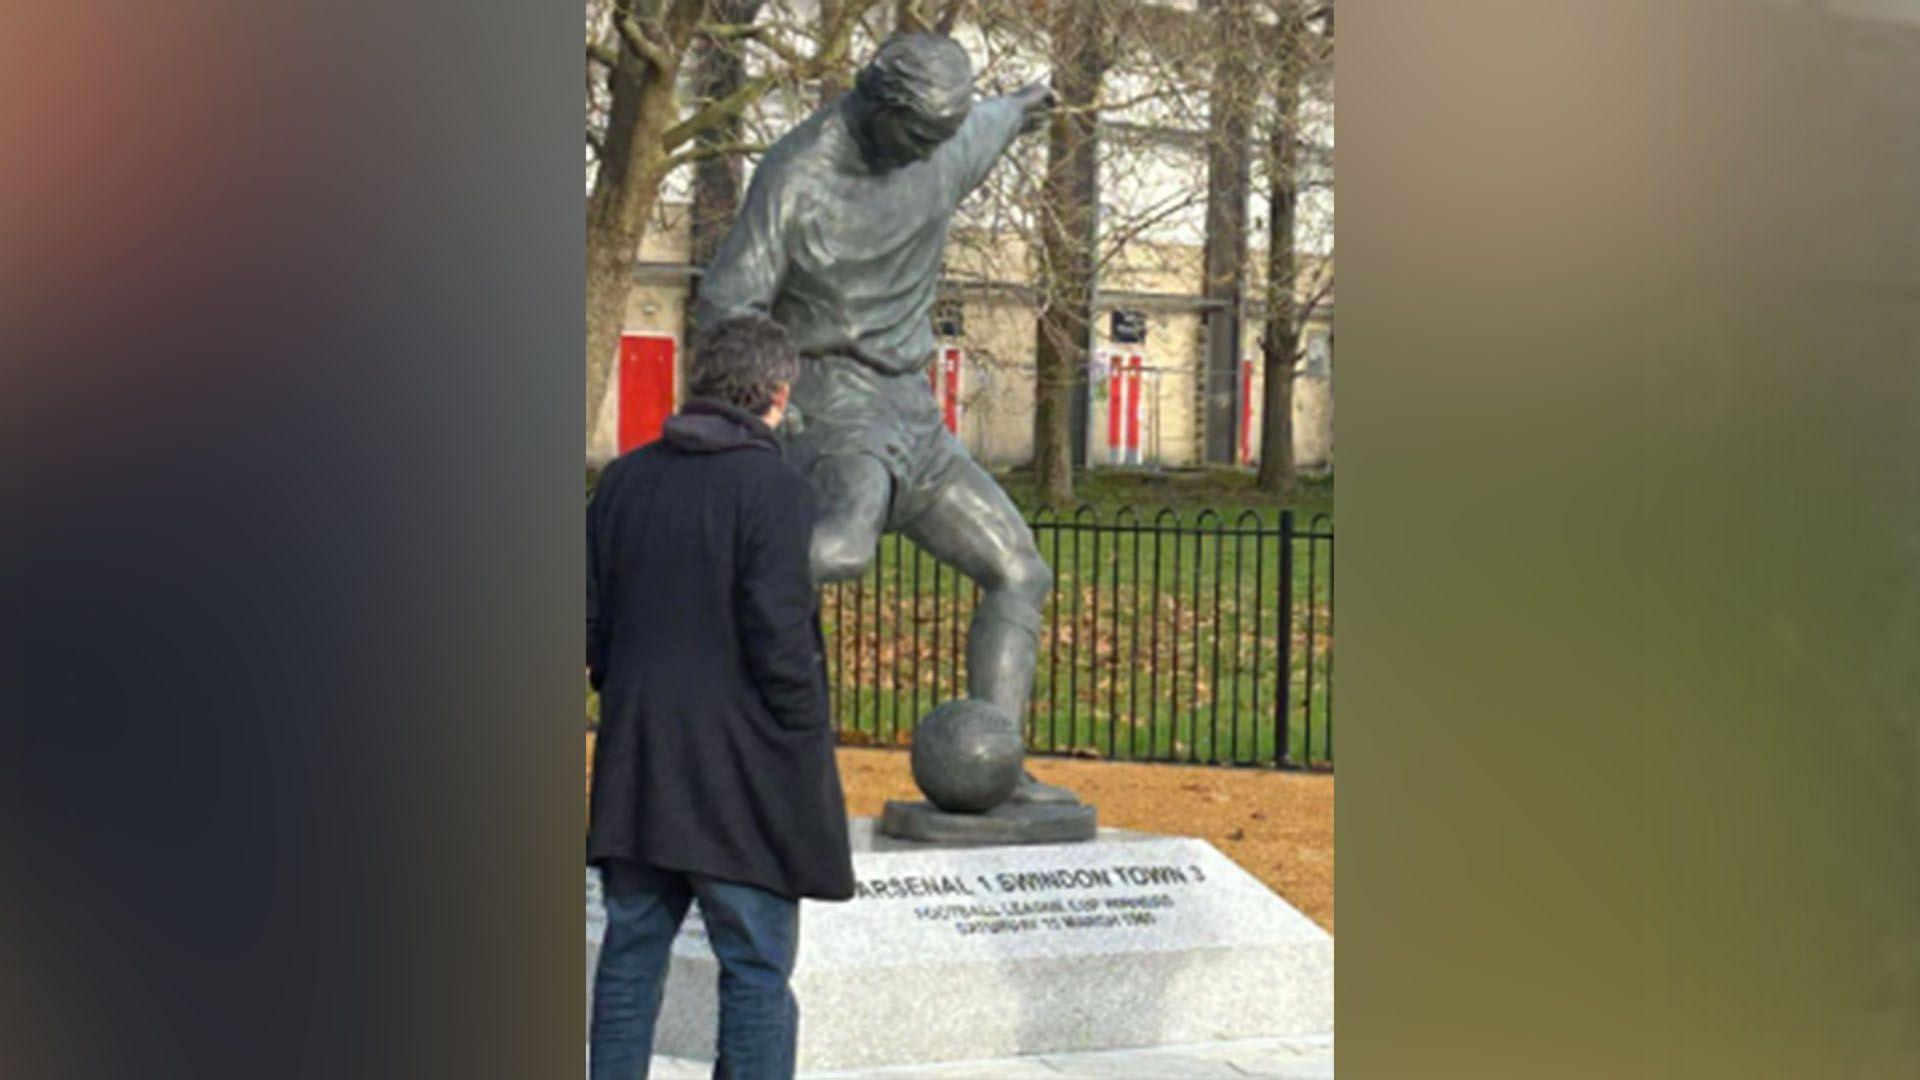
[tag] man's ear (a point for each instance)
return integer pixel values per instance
(776, 413)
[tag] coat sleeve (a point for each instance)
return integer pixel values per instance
(776, 609)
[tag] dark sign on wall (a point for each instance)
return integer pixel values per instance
(1129, 327)
(949, 319)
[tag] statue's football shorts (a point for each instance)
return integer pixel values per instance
(845, 407)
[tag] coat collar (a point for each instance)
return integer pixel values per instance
(705, 426)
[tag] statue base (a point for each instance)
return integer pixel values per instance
(1008, 823)
(952, 952)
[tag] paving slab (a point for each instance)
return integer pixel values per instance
(1263, 1059)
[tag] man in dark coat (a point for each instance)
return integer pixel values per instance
(713, 773)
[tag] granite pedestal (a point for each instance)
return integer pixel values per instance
(953, 953)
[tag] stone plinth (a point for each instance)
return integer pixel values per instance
(1008, 823)
(953, 953)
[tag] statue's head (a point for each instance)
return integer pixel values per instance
(911, 97)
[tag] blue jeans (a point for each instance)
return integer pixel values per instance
(754, 935)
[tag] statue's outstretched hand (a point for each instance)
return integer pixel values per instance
(1037, 99)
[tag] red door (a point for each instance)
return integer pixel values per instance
(1133, 408)
(944, 376)
(646, 387)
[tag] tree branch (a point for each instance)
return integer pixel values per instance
(762, 34)
(645, 47)
(723, 32)
(720, 110)
(1119, 240)
(660, 41)
(944, 25)
(683, 18)
(703, 151)
(832, 50)
(1304, 312)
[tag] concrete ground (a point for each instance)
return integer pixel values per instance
(1308, 1058)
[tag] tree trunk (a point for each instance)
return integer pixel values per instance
(717, 71)
(632, 164)
(907, 18)
(1229, 138)
(838, 79)
(1280, 339)
(1063, 339)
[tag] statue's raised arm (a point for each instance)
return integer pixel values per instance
(990, 128)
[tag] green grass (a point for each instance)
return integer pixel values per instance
(1127, 666)
(1181, 664)
(1226, 491)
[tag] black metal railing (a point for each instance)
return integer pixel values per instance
(1166, 639)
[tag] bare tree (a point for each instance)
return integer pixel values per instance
(1183, 91)
(1229, 150)
(1063, 340)
(1106, 208)
(642, 46)
(643, 67)
(1302, 55)
(719, 70)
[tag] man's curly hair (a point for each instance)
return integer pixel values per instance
(743, 362)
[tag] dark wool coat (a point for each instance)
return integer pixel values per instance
(715, 749)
